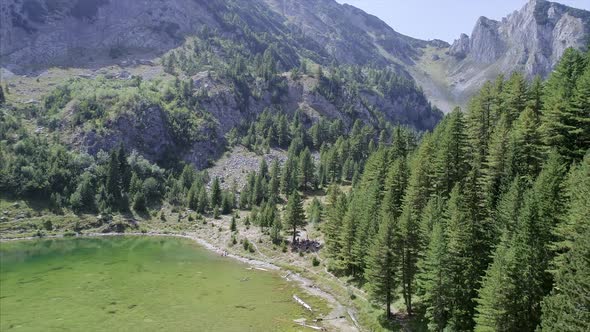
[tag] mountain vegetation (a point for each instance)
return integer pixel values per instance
(477, 220)
(480, 225)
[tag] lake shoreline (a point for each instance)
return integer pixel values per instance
(305, 284)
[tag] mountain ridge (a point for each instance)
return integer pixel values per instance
(530, 40)
(37, 34)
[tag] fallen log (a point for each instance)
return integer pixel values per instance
(300, 301)
(356, 323)
(317, 328)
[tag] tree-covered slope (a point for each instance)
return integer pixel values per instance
(480, 226)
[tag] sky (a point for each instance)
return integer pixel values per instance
(442, 19)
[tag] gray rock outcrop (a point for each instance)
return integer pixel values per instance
(530, 40)
(460, 47)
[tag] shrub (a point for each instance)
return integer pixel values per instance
(48, 225)
(315, 261)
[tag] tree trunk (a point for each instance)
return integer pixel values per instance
(388, 306)
(294, 233)
(404, 278)
(409, 305)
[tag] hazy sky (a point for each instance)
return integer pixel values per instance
(442, 19)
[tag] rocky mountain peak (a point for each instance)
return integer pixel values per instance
(530, 40)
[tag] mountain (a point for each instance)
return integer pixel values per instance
(41, 33)
(530, 40)
(37, 34)
(204, 68)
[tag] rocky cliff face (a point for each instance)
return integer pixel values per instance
(530, 40)
(37, 34)
(43, 33)
(350, 34)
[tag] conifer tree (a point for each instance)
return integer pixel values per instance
(578, 210)
(227, 203)
(233, 225)
(579, 117)
(275, 231)
(135, 184)
(2, 97)
(480, 121)
(192, 197)
(294, 214)
(557, 127)
(432, 214)
(315, 211)
(335, 212)
(395, 187)
(515, 96)
(495, 172)
(495, 311)
(367, 203)
(124, 168)
(536, 97)
(526, 149)
(461, 263)
(203, 205)
(434, 281)
(113, 181)
(510, 203)
(216, 193)
(274, 183)
(566, 309)
(451, 162)
(306, 169)
(382, 265)
(530, 254)
(346, 242)
(263, 169)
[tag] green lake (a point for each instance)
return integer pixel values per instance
(139, 284)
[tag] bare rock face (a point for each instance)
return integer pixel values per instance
(37, 34)
(486, 45)
(530, 40)
(460, 47)
(41, 33)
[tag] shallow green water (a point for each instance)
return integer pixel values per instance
(137, 284)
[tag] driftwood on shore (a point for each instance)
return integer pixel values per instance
(356, 323)
(317, 328)
(300, 301)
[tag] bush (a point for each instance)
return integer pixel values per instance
(48, 225)
(248, 246)
(315, 261)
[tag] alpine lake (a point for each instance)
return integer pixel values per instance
(141, 283)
